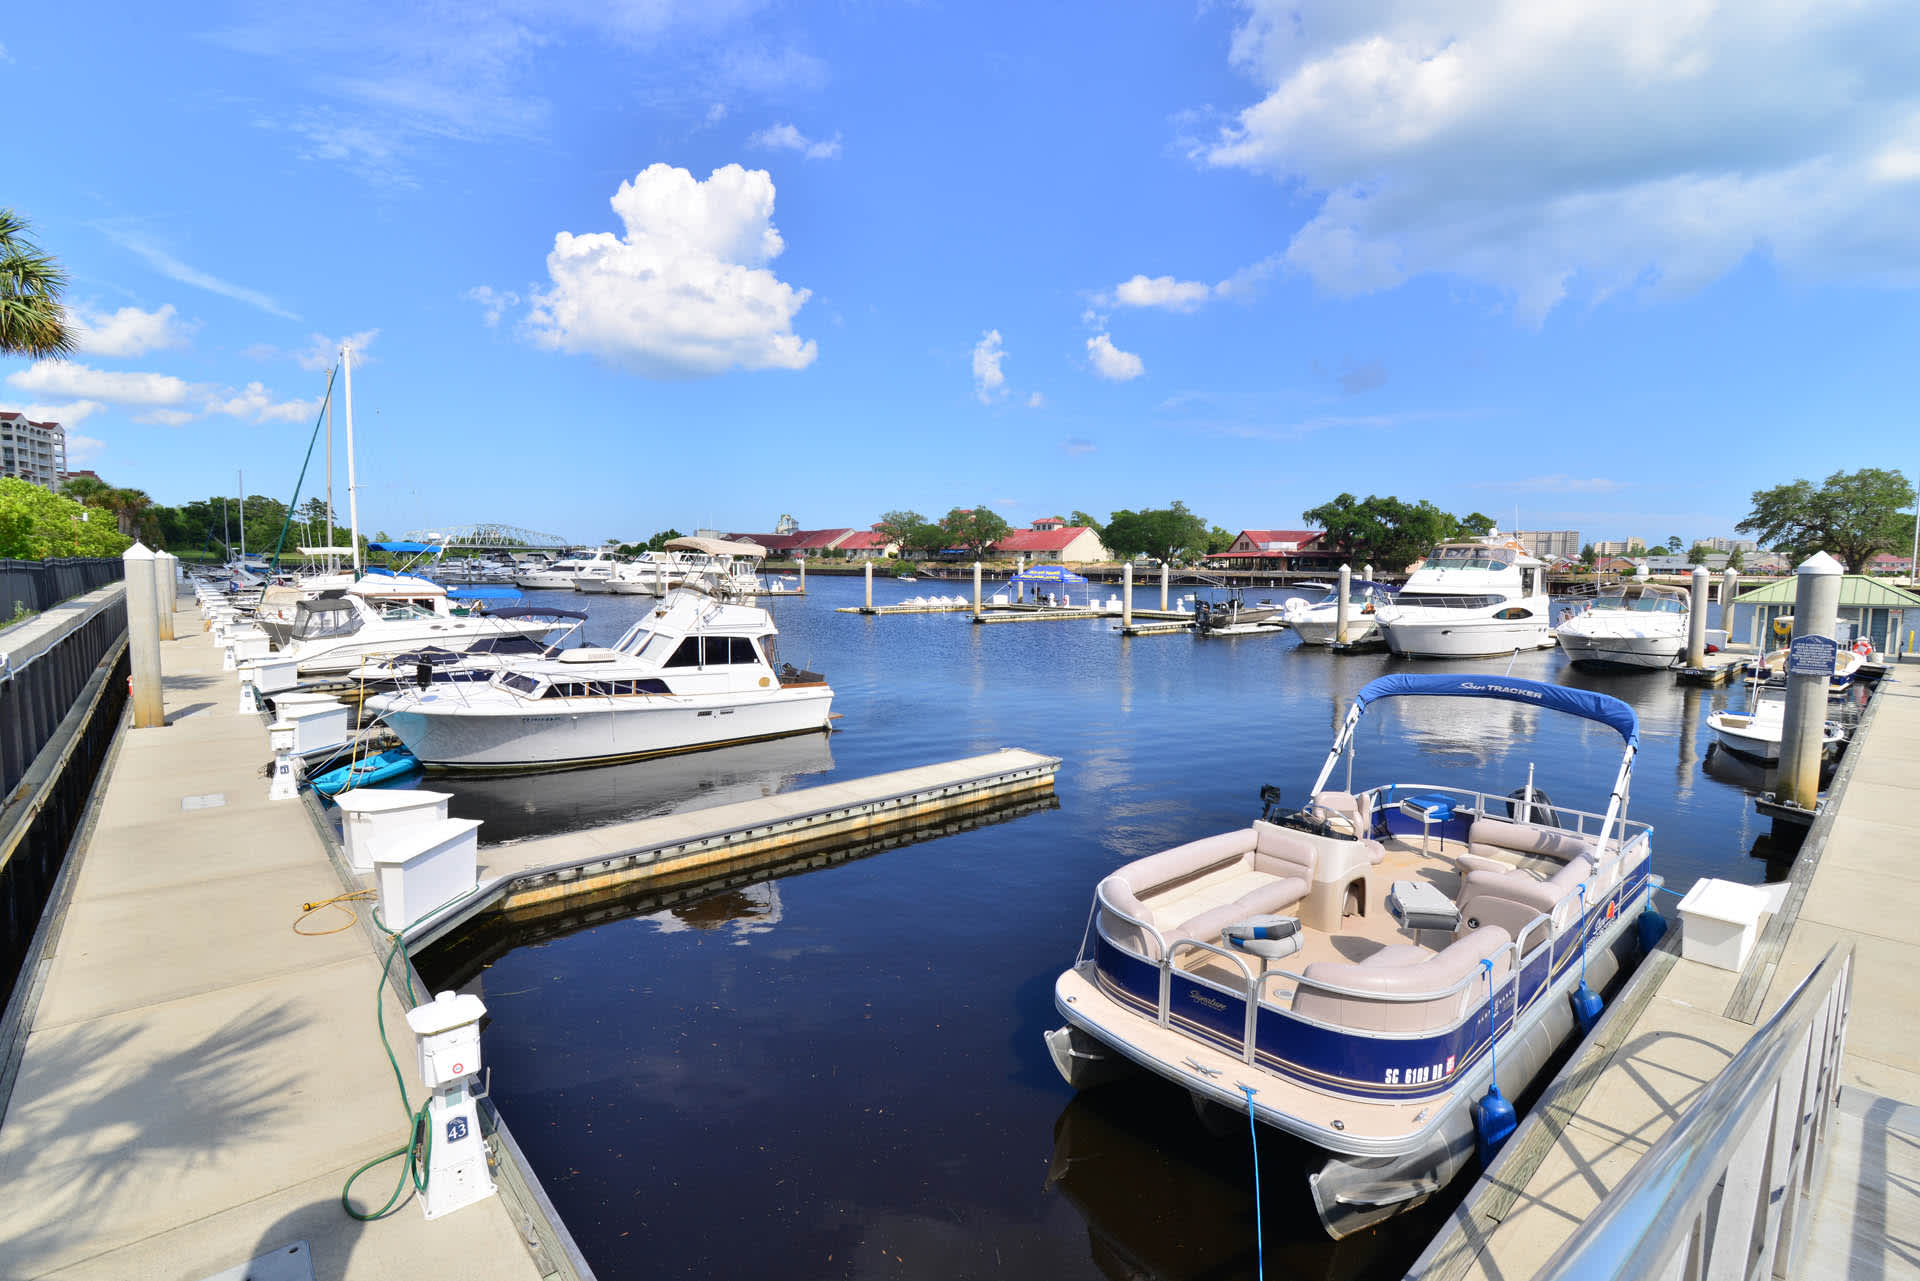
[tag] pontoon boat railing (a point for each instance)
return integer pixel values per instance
(1726, 1190)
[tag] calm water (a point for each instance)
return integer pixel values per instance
(840, 1073)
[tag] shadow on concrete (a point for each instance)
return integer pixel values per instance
(99, 1127)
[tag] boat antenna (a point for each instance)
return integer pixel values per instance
(353, 487)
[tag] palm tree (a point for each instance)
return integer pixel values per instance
(32, 320)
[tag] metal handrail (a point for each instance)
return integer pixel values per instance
(1736, 1170)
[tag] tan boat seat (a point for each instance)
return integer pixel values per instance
(1497, 845)
(1263, 848)
(1350, 812)
(1405, 970)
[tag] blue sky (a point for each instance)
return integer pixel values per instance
(620, 266)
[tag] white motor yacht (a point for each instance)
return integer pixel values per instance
(1470, 600)
(337, 632)
(559, 575)
(698, 671)
(1648, 631)
(1318, 621)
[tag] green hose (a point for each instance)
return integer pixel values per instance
(419, 1145)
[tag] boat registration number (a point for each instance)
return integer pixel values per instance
(1420, 1075)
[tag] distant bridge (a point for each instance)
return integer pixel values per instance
(489, 536)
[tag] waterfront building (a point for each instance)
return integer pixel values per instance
(1048, 543)
(31, 451)
(1550, 544)
(868, 544)
(1730, 544)
(1619, 547)
(798, 544)
(1278, 550)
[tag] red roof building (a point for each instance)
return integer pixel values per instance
(868, 544)
(1277, 550)
(1054, 545)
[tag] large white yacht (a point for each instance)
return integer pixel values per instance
(1648, 631)
(1470, 600)
(337, 631)
(698, 671)
(559, 575)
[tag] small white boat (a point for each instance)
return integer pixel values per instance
(1756, 733)
(1317, 621)
(1470, 600)
(1235, 616)
(1616, 633)
(1352, 971)
(698, 671)
(1846, 666)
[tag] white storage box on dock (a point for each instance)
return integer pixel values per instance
(424, 866)
(318, 722)
(248, 646)
(273, 673)
(370, 813)
(1719, 922)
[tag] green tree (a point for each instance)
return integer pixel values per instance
(1853, 515)
(1736, 559)
(1674, 544)
(1698, 553)
(1588, 556)
(37, 523)
(1475, 525)
(658, 543)
(32, 320)
(1085, 520)
(1386, 532)
(1218, 540)
(975, 529)
(1169, 533)
(928, 539)
(898, 526)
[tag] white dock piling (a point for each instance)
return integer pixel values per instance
(1163, 587)
(1697, 620)
(1816, 606)
(143, 638)
(869, 587)
(976, 589)
(1340, 609)
(1366, 572)
(803, 573)
(1126, 596)
(1729, 588)
(163, 594)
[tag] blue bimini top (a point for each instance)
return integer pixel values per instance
(1604, 708)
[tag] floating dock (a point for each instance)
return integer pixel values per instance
(1678, 1023)
(1718, 669)
(557, 872)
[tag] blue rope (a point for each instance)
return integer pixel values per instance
(1259, 1234)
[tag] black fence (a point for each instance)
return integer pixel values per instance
(59, 707)
(37, 584)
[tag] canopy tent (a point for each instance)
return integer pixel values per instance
(1048, 574)
(1605, 708)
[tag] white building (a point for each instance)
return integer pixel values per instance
(31, 451)
(1550, 544)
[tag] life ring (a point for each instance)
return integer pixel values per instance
(1863, 647)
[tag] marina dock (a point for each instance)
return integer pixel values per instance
(1678, 1023)
(188, 1081)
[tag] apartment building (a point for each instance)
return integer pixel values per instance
(1550, 544)
(32, 451)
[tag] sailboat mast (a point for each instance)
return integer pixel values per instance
(242, 476)
(329, 468)
(353, 487)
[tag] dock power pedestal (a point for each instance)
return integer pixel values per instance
(447, 1030)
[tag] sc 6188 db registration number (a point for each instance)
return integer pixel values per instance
(1420, 1075)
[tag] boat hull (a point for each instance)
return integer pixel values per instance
(1621, 653)
(1465, 637)
(1314, 631)
(596, 731)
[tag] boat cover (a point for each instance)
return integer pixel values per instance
(484, 593)
(1605, 708)
(408, 549)
(536, 611)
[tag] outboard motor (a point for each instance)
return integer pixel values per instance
(423, 673)
(1270, 802)
(1540, 813)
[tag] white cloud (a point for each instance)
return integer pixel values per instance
(64, 378)
(492, 302)
(254, 403)
(989, 384)
(322, 352)
(69, 415)
(1078, 445)
(1036, 401)
(786, 137)
(82, 450)
(1161, 291)
(173, 269)
(1584, 147)
(683, 291)
(716, 113)
(126, 332)
(1110, 362)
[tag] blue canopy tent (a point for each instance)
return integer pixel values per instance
(1052, 575)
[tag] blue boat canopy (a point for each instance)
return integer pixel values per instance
(408, 549)
(1604, 708)
(483, 593)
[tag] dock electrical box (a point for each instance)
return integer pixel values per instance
(447, 1033)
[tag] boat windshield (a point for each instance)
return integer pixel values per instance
(403, 611)
(1660, 603)
(1471, 556)
(1612, 600)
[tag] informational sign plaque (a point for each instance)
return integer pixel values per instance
(1812, 656)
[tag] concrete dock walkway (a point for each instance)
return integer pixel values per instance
(1681, 1022)
(198, 1079)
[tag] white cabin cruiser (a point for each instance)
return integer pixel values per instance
(1470, 600)
(1353, 971)
(1648, 631)
(480, 661)
(1317, 621)
(698, 671)
(559, 575)
(338, 631)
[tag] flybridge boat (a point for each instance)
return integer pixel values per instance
(1317, 622)
(1353, 971)
(480, 661)
(1470, 600)
(559, 575)
(1614, 632)
(698, 671)
(336, 632)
